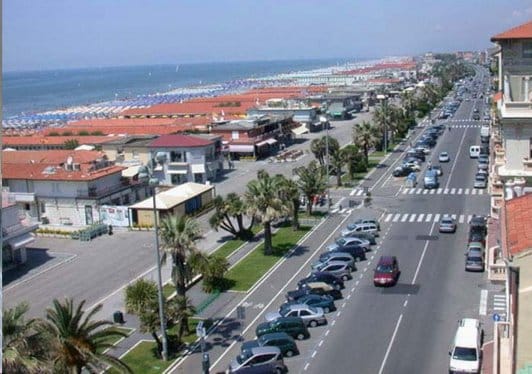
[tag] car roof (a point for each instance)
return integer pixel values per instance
(332, 263)
(337, 254)
(386, 260)
(467, 333)
(276, 335)
(265, 350)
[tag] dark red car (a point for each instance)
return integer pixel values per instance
(387, 271)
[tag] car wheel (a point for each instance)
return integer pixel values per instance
(300, 336)
(289, 353)
(326, 310)
(279, 371)
(313, 323)
(337, 287)
(345, 278)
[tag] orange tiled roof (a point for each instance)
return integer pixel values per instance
(518, 224)
(497, 96)
(523, 31)
(50, 157)
(35, 172)
(54, 140)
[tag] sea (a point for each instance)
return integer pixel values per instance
(31, 92)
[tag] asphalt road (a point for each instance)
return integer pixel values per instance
(404, 329)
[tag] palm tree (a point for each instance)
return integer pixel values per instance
(319, 146)
(213, 269)
(23, 345)
(338, 160)
(312, 181)
(180, 310)
(77, 341)
(365, 136)
(355, 160)
(179, 236)
(226, 211)
(264, 202)
(290, 193)
(71, 144)
(141, 300)
(317, 150)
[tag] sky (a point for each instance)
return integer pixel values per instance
(58, 34)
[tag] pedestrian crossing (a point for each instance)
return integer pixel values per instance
(499, 305)
(341, 211)
(442, 191)
(423, 217)
(465, 126)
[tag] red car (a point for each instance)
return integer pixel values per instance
(387, 271)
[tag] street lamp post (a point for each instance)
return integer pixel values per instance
(324, 122)
(145, 173)
(384, 101)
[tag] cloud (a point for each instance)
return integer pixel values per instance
(517, 13)
(438, 28)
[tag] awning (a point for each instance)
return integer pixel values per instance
(271, 141)
(21, 241)
(131, 171)
(264, 142)
(198, 168)
(300, 130)
(241, 148)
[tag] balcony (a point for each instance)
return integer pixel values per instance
(517, 96)
(178, 167)
(23, 197)
(500, 154)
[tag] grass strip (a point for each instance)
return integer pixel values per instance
(232, 245)
(114, 339)
(248, 271)
(142, 359)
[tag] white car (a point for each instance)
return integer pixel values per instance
(412, 165)
(444, 157)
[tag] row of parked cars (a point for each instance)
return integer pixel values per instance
(307, 306)
(475, 253)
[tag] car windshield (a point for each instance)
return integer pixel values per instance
(465, 354)
(284, 309)
(480, 178)
(340, 241)
(474, 259)
(447, 221)
(384, 268)
(351, 226)
(443, 154)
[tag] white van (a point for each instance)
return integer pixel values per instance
(466, 350)
(474, 151)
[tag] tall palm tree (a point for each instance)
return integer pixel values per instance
(23, 345)
(317, 150)
(213, 269)
(264, 202)
(365, 135)
(338, 160)
(312, 181)
(179, 236)
(355, 160)
(319, 147)
(77, 341)
(290, 193)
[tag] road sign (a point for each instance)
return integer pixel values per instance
(200, 330)
(496, 317)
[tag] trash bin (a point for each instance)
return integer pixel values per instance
(110, 230)
(118, 317)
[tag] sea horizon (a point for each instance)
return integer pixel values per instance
(47, 90)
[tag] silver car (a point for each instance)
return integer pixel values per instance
(480, 181)
(312, 316)
(255, 357)
(340, 269)
(360, 227)
(334, 256)
(447, 224)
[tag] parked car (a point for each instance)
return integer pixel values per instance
(293, 326)
(325, 302)
(281, 340)
(255, 357)
(444, 157)
(466, 348)
(341, 269)
(478, 223)
(480, 181)
(483, 162)
(474, 261)
(312, 316)
(387, 271)
(483, 172)
(417, 154)
(476, 247)
(358, 252)
(325, 277)
(401, 171)
(411, 164)
(476, 236)
(328, 257)
(316, 288)
(352, 240)
(360, 221)
(361, 227)
(430, 180)
(370, 237)
(447, 224)
(267, 368)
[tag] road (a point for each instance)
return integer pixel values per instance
(404, 329)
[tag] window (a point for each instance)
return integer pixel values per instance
(135, 154)
(527, 49)
(235, 135)
(304, 313)
(26, 206)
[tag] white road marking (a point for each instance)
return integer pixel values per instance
(456, 158)
(320, 343)
(453, 190)
(446, 191)
(432, 192)
(339, 313)
(428, 218)
(314, 354)
(327, 332)
(459, 191)
(483, 305)
(356, 283)
(390, 344)
(425, 192)
(436, 218)
(404, 218)
(473, 191)
(420, 217)
(469, 218)
(461, 219)
(344, 304)
(405, 303)
(412, 218)
(423, 254)
(334, 321)
(405, 191)
(306, 366)
(388, 217)
(466, 191)
(396, 218)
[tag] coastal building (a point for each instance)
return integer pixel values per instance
(340, 105)
(66, 187)
(306, 116)
(16, 234)
(181, 158)
(511, 172)
(186, 199)
(255, 138)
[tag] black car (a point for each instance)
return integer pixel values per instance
(478, 223)
(358, 252)
(476, 235)
(401, 171)
(415, 154)
(305, 290)
(323, 276)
